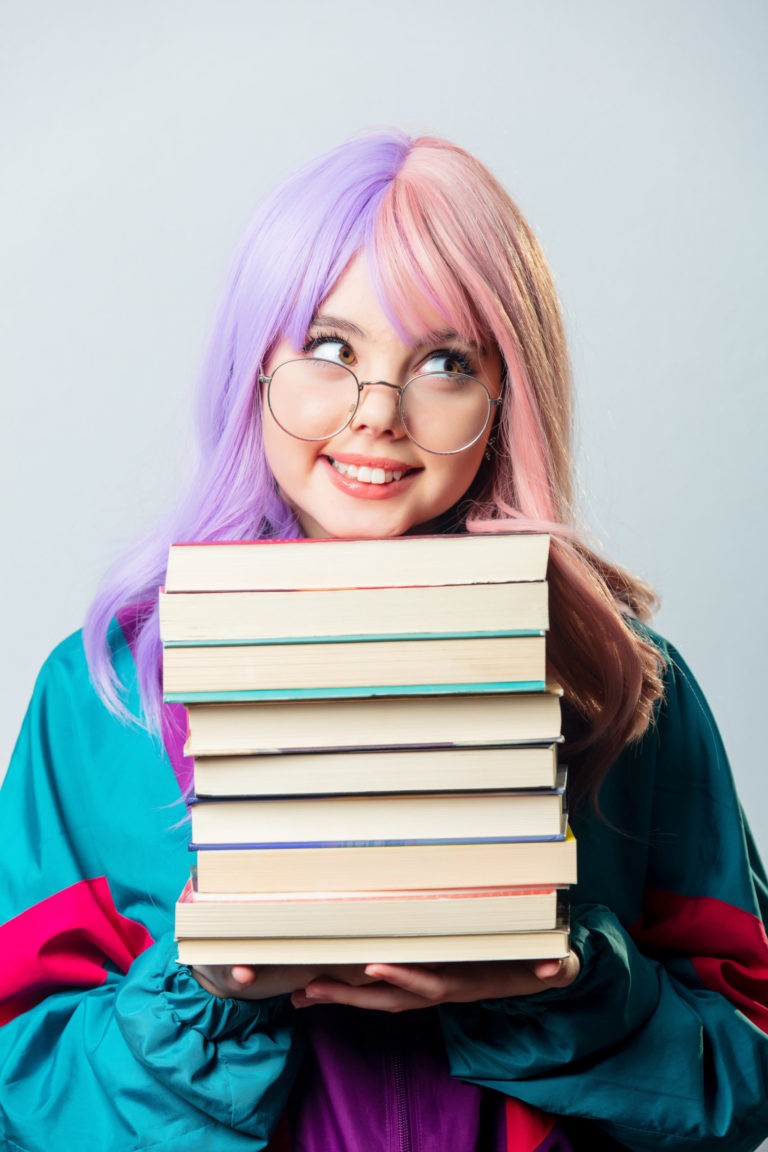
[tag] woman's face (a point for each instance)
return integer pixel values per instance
(314, 476)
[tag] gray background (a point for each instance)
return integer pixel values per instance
(136, 139)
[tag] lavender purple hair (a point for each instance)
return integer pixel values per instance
(440, 232)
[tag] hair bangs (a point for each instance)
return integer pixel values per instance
(414, 275)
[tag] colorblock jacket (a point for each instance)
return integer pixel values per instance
(106, 1043)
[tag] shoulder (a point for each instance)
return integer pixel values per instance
(694, 812)
(683, 730)
(66, 675)
(71, 736)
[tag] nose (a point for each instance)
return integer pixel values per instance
(378, 410)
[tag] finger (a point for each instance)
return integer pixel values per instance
(374, 997)
(557, 973)
(344, 973)
(546, 969)
(243, 974)
(224, 981)
(466, 982)
(428, 983)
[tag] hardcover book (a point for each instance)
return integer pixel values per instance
(551, 863)
(414, 912)
(380, 770)
(548, 943)
(398, 562)
(420, 817)
(247, 617)
(355, 668)
(383, 722)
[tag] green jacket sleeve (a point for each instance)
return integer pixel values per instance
(661, 1041)
(106, 1041)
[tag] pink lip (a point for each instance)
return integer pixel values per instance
(372, 462)
(364, 491)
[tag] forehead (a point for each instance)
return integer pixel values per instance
(360, 304)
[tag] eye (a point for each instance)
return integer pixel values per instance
(329, 347)
(447, 362)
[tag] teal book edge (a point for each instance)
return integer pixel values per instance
(363, 637)
(351, 693)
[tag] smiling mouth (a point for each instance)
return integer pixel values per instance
(367, 475)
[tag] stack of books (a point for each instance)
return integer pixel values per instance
(375, 750)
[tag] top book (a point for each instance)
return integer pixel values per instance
(402, 561)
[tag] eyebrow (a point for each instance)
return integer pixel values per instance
(449, 336)
(441, 336)
(326, 321)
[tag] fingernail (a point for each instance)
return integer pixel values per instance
(314, 997)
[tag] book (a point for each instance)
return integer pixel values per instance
(459, 610)
(420, 817)
(375, 754)
(551, 863)
(545, 944)
(355, 668)
(416, 912)
(379, 722)
(397, 562)
(379, 770)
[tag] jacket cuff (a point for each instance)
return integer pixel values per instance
(586, 945)
(190, 1005)
(616, 990)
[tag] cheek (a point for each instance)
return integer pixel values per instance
(450, 483)
(290, 461)
(276, 451)
(460, 476)
(268, 439)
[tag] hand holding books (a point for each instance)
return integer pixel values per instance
(389, 987)
(242, 982)
(401, 988)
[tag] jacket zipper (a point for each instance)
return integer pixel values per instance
(405, 1142)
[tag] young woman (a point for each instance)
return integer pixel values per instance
(382, 265)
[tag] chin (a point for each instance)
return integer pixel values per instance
(363, 527)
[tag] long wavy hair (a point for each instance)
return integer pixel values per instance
(438, 232)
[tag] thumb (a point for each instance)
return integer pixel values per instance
(243, 974)
(557, 973)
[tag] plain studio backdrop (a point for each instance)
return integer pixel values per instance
(137, 139)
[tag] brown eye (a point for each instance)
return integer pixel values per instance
(331, 348)
(447, 363)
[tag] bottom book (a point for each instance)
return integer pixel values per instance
(552, 943)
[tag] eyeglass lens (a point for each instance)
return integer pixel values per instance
(313, 399)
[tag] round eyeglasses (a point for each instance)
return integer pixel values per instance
(442, 412)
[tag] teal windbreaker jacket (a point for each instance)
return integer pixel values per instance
(106, 1043)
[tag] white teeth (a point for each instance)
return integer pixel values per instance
(365, 474)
